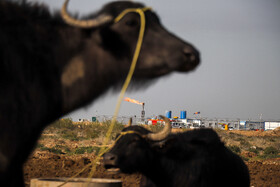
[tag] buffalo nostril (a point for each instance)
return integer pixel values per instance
(191, 54)
(109, 156)
(192, 57)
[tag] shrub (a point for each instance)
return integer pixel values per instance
(70, 135)
(52, 149)
(83, 150)
(255, 150)
(235, 149)
(270, 151)
(67, 150)
(80, 150)
(103, 129)
(92, 132)
(244, 143)
(64, 123)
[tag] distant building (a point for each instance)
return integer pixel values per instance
(271, 125)
(220, 123)
(254, 125)
(193, 123)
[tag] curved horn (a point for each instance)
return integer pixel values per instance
(129, 122)
(162, 134)
(100, 20)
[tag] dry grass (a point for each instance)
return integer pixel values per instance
(66, 137)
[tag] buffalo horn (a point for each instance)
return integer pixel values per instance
(100, 20)
(162, 134)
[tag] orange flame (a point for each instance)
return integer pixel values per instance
(133, 101)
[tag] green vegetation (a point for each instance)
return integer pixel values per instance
(72, 138)
(63, 131)
(270, 152)
(235, 149)
(244, 143)
(66, 129)
(90, 149)
(52, 149)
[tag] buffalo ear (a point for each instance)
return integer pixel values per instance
(163, 145)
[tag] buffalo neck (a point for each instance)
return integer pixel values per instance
(157, 172)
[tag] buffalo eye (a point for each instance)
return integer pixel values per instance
(132, 23)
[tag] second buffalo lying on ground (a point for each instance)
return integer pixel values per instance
(193, 158)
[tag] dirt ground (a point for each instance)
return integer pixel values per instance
(275, 132)
(49, 165)
(43, 164)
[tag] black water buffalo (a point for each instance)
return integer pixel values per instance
(194, 158)
(51, 64)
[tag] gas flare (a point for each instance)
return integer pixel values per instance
(133, 101)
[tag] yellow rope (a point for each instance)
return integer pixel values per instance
(128, 78)
(104, 149)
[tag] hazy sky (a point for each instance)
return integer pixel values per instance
(239, 42)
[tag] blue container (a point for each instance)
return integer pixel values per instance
(168, 114)
(93, 119)
(183, 114)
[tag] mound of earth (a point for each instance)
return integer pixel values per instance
(275, 132)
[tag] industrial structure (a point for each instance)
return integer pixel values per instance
(195, 122)
(228, 124)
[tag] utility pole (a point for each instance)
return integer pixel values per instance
(238, 123)
(143, 113)
(260, 115)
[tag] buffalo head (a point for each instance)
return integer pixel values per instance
(161, 53)
(132, 149)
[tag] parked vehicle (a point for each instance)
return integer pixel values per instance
(178, 125)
